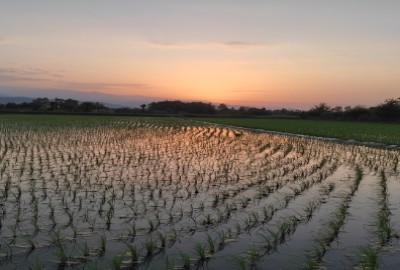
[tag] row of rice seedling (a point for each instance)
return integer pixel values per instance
(369, 258)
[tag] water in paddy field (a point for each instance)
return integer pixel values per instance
(173, 194)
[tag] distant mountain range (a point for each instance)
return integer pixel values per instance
(20, 95)
(16, 100)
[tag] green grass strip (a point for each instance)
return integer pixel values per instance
(363, 132)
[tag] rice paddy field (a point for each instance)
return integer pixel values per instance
(163, 193)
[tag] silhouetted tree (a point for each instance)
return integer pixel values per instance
(357, 113)
(181, 107)
(41, 104)
(91, 106)
(319, 111)
(389, 110)
(70, 105)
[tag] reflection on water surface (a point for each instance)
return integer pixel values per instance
(151, 193)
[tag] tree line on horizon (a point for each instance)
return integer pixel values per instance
(389, 110)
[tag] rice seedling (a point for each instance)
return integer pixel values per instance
(309, 210)
(85, 250)
(201, 253)
(211, 244)
(116, 263)
(385, 230)
(31, 243)
(150, 246)
(134, 253)
(36, 264)
(240, 262)
(253, 257)
(207, 221)
(62, 256)
(369, 258)
(103, 243)
(185, 258)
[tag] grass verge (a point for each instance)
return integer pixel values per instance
(363, 132)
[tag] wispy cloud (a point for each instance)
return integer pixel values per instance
(234, 44)
(21, 75)
(245, 90)
(28, 73)
(164, 44)
(19, 78)
(104, 86)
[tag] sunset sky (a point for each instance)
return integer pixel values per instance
(260, 53)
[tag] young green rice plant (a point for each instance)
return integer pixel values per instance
(309, 210)
(207, 221)
(288, 149)
(56, 237)
(151, 226)
(172, 237)
(150, 246)
(116, 263)
(7, 187)
(103, 243)
(369, 259)
(201, 253)
(359, 176)
(286, 200)
(244, 202)
(263, 192)
(215, 200)
(51, 213)
(266, 243)
(253, 257)
(30, 242)
(132, 231)
(85, 250)
(70, 215)
(268, 212)
(185, 258)
(163, 240)
(296, 191)
(211, 244)
(311, 264)
(255, 217)
(134, 253)
(385, 230)
(13, 228)
(36, 264)
(322, 163)
(319, 251)
(109, 217)
(334, 226)
(61, 256)
(240, 262)
(330, 187)
(222, 240)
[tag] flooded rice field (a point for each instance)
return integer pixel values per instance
(148, 193)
